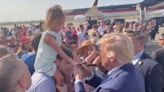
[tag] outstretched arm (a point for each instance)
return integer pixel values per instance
(52, 42)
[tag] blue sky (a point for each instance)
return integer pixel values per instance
(23, 10)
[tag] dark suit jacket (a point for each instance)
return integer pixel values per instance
(152, 72)
(124, 79)
(158, 55)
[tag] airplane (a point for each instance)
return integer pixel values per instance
(129, 12)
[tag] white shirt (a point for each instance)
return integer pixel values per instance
(42, 83)
(101, 30)
(81, 37)
(137, 57)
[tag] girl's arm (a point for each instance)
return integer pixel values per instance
(52, 42)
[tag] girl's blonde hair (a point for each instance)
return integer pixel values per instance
(54, 13)
(119, 44)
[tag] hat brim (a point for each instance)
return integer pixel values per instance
(82, 49)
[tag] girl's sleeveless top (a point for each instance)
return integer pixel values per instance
(46, 55)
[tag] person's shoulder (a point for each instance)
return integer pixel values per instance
(146, 57)
(25, 56)
(42, 83)
(40, 75)
(54, 34)
(159, 50)
(123, 79)
(124, 71)
(31, 57)
(148, 62)
(42, 78)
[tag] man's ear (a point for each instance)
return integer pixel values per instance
(23, 84)
(111, 58)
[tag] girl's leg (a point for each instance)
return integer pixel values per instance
(59, 78)
(60, 84)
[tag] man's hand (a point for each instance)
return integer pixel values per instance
(87, 70)
(89, 59)
(77, 69)
(82, 71)
(97, 61)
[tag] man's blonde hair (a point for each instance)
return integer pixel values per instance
(119, 44)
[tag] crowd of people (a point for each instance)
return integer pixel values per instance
(102, 57)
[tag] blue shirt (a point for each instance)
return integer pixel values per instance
(42, 83)
(29, 60)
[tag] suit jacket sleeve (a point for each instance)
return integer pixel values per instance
(94, 81)
(155, 79)
(79, 87)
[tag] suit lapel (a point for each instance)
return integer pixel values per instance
(140, 62)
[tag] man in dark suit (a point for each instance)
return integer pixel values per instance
(158, 54)
(151, 70)
(116, 52)
(154, 30)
